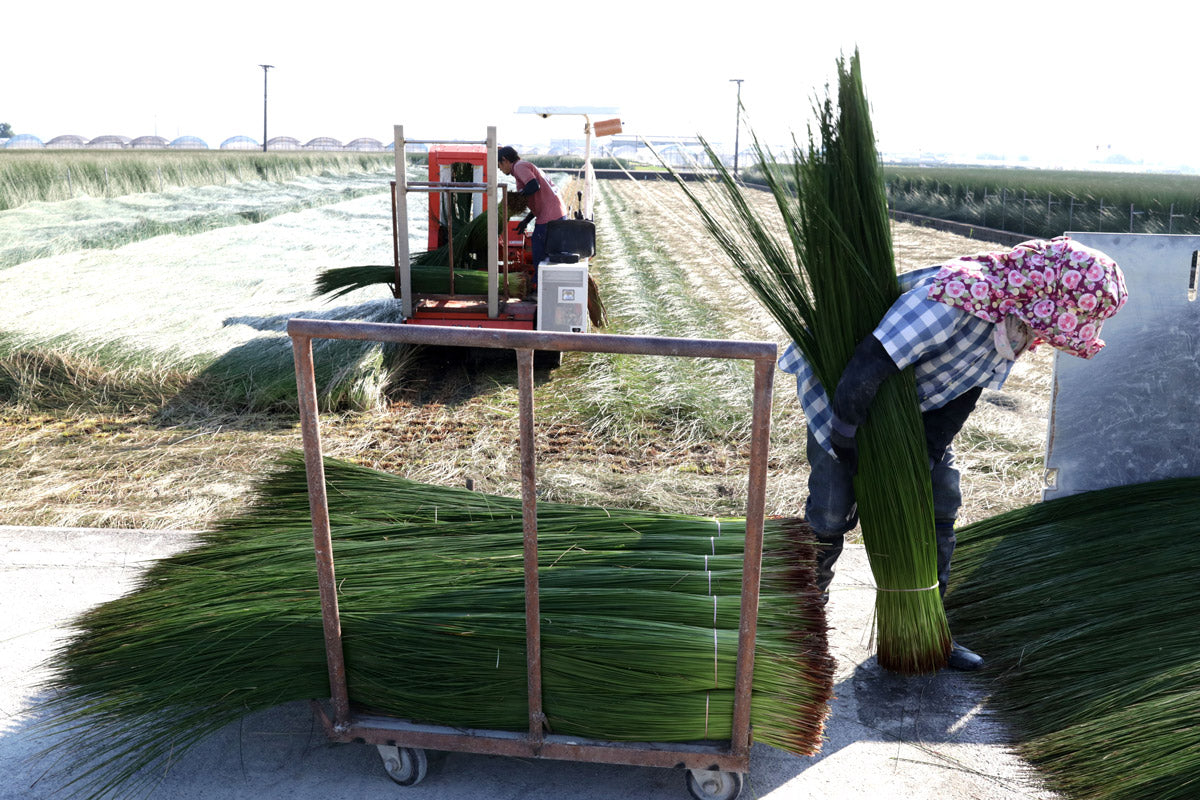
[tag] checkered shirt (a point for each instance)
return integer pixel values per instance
(950, 351)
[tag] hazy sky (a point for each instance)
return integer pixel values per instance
(1049, 79)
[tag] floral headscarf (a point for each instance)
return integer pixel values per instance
(1061, 289)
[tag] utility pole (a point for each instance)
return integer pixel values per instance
(738, 130)
(265, 67)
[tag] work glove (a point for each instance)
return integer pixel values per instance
(845, 445)
(521, 227)
(866, 371)
(943, 424)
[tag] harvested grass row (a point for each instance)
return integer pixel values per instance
(51, 376)
(639, 615)
(258, 375)
(194, 322)
(49, 229)
(140, 224)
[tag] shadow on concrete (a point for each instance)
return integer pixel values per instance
(886, 737)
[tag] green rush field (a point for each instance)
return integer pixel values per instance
(1049, 202)
(38, 175)
(145, 380)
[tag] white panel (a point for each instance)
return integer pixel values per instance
(562, 297)
(1132, 413)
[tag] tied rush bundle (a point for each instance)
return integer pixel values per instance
(826, 273)
(639, 614)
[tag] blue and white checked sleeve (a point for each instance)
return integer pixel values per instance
(951, 351)
(915, 326)
(813, 400)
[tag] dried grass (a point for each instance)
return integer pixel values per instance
(124, 463)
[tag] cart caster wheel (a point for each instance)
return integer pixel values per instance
(404, 765)
(707, 784)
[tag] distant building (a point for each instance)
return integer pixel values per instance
(116, 142)
(149, 143)
(240, 143)
(109, 142)
(24, 141)
(189, 143)
(323, 143)
(68, 142)
(368, 144)
(561, 147)
(283, 143)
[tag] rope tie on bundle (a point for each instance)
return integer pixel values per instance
(716, 640)
(924, 589)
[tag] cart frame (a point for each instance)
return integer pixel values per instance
(344, 725)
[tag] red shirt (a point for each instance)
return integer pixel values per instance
(544, 203)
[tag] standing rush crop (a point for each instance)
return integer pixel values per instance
(828, 284)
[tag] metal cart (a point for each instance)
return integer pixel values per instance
(714, 768)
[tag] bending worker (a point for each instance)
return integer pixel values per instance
(544, 203)
(961, 325)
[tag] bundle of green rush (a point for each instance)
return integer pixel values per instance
(426, 279)
(431, 275)
(639, 618)
(430, 269)
(827, 284)
(1087, 604)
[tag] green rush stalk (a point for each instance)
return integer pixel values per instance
(1087, 604)
(828, 283)
(639, 611)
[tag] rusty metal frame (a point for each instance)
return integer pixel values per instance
(436, 187)
(504, 256)
(345, 726)
(400, 216)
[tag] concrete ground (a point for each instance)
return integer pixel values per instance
(886, 737)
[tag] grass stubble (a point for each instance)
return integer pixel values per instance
(133, 448)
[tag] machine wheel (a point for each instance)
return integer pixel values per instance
(547, 359)
(707, 784)
(404, 765)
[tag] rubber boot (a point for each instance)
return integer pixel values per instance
(960, 657)
(829, 547)
(946, 542)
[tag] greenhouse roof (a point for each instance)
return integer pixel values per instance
(109, 141)
(365, 143)
(190, 143)
(239, 143)
(24, 140)
(149, 141)
(324, 143)
(67, 140)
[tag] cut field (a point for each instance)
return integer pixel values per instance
(661, 433)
